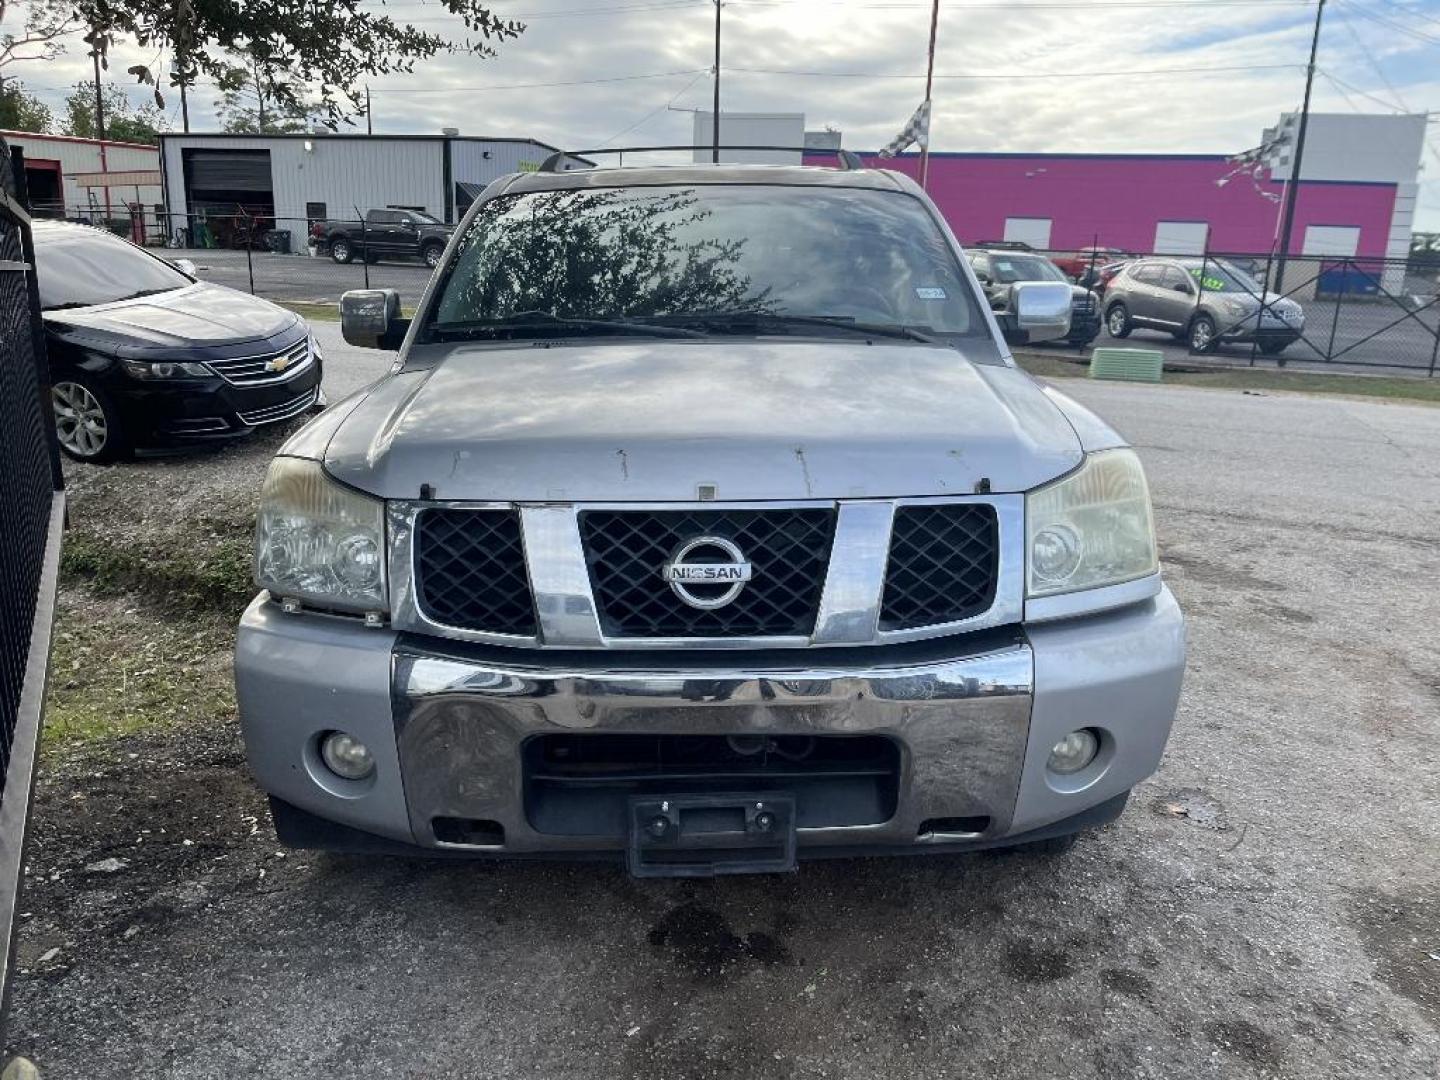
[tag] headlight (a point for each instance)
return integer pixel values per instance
(1235, 307)
(315, 353)
(144, 369)
(318, 541)
(1091, 528)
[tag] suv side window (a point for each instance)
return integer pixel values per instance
(1174, 278)
(384, 217)
(1147, 273)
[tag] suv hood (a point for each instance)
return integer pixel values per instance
(199, 314)
(655, 420)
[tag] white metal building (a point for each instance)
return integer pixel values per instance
(750, 129)
(298, 179)
(74, 177)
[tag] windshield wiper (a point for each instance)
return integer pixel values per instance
(545, 320)
(741, 317)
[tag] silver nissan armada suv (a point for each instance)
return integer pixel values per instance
(704, 521)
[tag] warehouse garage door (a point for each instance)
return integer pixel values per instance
(224, 188)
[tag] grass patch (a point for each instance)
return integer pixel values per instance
(1267, 380)
(321, 312)
(117, 668)
(208, 570)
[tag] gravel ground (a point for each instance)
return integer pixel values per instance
(1268, 905)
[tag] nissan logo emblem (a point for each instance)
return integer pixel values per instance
(707, 573)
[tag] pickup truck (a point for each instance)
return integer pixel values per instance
(408, 234)
(705, 522)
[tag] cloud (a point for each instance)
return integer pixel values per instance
(1212, 110)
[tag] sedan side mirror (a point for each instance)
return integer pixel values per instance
(1042, 310)
(186, 267)
(368, 317)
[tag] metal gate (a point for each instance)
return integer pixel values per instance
(32, 507)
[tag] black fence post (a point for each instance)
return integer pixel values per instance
(1344, 278)
(364, 247)
(1434, 351)
(249, 255)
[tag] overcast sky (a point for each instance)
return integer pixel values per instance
(1244, 59)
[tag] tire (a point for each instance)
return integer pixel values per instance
(340, 250)
(430, 254)
(1274, 348)
(1117, 321)
(87, 423)
(1202, 334)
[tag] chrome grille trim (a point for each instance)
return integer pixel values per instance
(849, 602)
(253, 370)
(284, 411)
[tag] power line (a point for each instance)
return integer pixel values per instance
(1018, 75)
(1043, 5)
(1350, 26)
(1411, 11)
(1385, 20)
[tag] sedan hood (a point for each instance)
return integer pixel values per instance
(200, 314)
(657, 420)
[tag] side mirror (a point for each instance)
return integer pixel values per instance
(985, 279)
(1042, 310)
(1183, 287)
(367, 316)
(186, 267)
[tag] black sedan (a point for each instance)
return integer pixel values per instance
(144, 356)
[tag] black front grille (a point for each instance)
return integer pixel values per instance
(470, 571)
(788, 550)
(942, 567)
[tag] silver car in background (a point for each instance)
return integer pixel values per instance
(704, 521)
(1205, 302)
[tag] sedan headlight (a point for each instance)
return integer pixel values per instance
(318, 541)
(164, 369)
(1091, 528)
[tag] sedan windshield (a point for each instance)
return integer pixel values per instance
(731, 259)
(81, 266)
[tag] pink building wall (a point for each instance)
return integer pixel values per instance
(1122, 197)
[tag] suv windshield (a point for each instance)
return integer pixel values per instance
(1216, 276)
(1007, 269)
(701, 256)
(77, 267)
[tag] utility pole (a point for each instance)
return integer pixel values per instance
(1292, 188)
(259, 90)
(369, 127)
(99, 100)
(929, 81)
(184, 109)
(715, 115)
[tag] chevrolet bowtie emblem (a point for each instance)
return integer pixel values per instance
(277, 363)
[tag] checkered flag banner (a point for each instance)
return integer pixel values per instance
(916, 130)
(1253, 162)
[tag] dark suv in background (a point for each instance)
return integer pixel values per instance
(1205, 302)
(1001, 267)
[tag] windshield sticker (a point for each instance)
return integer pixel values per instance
(1207, 281)
(930, 292)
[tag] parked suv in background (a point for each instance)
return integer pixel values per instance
(1206, 302)
(1082, 265)
(1000, 269)
(704, 519)
(387, 233)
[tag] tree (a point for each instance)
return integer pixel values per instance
(124, 122)
(246, 107)
(21, 110)
(1425, 252)
(328, 50)
(47, 23)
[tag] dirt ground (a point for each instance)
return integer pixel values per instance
(1267, 906)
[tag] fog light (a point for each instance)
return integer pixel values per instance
(346, 756)
(1073, 752)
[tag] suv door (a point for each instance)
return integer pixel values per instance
(1141, 294)
(1174, 298)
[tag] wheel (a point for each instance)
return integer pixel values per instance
(341, 251)
(1273, 348)
(87, 424)
(1117, 321)
(431, 254)
(1202, 334)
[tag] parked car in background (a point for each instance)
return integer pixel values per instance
(1206, 302)
(1000, 269)
(144, 356)
(704, 521)
(1103, 276)
(384, 234)
(1081, 265)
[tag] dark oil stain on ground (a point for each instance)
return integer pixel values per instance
(1031, 964)
(701, 941)
(1400, 934)
(1245, 1040)
(1129, 983)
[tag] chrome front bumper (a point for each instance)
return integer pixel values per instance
(975, 724)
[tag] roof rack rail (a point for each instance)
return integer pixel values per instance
(848, 159)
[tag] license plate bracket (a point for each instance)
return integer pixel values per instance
(711, 835)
